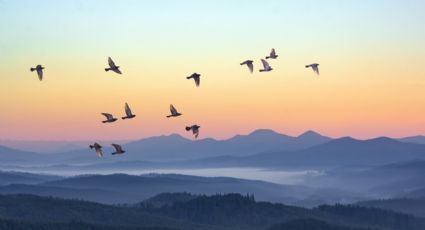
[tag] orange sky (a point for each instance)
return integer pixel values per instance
(371, 84)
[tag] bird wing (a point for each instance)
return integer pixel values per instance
(108, 116)
(116, 70)
(40, 73)
(118, 148)
(127, 110)
(316, 68)
(272, 53)
(195, 132)
(111, 63)
(250, 66)
(99, 152)
(173, 110)
(197, 80)
(265, 64)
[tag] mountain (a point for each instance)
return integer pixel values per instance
(29, 208)
(413, 139)
(122, 188)
(344, 151)
(14, 156)
(243, 212)
(216, 212)
(24, 178)
(414, 206)
(177, 148)
(383, 181)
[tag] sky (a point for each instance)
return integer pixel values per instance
(371, 56)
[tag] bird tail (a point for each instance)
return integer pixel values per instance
(261, 70)
(267, 57)
(32, 69)
(114, 153)
(123, 118)
(306, 66)
(169, 116)
(188, 128)
(104, 121)
(91, 146)
(188, 77)
(107, 69)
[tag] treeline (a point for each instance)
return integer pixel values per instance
(188, 212)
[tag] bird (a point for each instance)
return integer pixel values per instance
(118, 149)
(98, 149)
(112, 66)
(39, 70)
(109, 118)
(272, 54)
(315, 67)
(174, 112)
(266, 66)
(249, 64)
(128, 113)
(196, 77)
(195, 130)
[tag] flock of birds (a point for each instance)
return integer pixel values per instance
(174, 113)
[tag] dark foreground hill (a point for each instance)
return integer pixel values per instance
(217, 212)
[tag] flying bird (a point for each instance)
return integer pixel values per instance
(266, 66)
(196, 77)
(118, 149)
(109, 118)
(249, 64)
(272, 54)
(128, 113)
(195, 130)
(39, 70)
(112, 66)
(98, 149)
(315, 67)
(174, 112)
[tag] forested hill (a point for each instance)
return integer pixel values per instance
(184, 212)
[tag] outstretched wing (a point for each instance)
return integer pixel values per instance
(173, 110)
(195, 131)
(40, 73)
(265, 64)
(197, 80)
(250, 66)
(127, 110)
(272, 53)
(108, 116)
(116, 70)
(111, 63)
(316, 69)
(118, 148)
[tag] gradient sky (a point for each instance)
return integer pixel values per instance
(371, 54)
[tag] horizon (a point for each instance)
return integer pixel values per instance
(188, 137)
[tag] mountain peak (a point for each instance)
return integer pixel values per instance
(310, 133)
(263, 132)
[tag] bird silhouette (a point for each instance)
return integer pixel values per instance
(112, 66)
(98, 149)
(266, 66)
(272, 54)
(315, 67)
(128, 112)
(118, 149)
(195, 130)
(174, 112)
(196, 77)
(109, 118)
(39, 70)
(250, 65)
